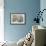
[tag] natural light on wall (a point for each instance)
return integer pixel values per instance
(1, 20)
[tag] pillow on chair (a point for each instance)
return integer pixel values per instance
(21, 42)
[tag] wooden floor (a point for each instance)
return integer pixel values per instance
(44, 45)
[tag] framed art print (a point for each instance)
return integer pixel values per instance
(17, 18)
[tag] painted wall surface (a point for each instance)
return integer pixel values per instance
(1, 20)
(30, 7)
(43, 6)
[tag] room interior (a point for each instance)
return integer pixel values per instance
(17, 20)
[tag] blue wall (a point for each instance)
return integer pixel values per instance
(43, 6)
(15, 32)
